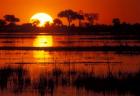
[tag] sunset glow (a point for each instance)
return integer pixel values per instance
(43, 18)
(69, 47)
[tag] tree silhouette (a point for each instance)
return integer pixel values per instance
(116, 21)
(11, 19)
(57, 22)
(80, 17)
(35, 22)
(116, 24)
(2, 23)
(91, 17)
(69, 14)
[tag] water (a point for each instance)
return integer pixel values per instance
(56, 72)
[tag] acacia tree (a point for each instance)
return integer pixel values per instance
(11, 19)
(91, 17)
(80, 18)
(57, 22)
(69, 14)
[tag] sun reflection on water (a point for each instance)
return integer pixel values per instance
(42, 41)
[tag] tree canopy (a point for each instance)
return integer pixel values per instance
(69, 14)
(57, 22)
(11, 19)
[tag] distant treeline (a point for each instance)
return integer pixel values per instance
(86, 25)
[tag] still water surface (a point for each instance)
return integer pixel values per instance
(38, 62)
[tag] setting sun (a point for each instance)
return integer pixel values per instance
(41, 19)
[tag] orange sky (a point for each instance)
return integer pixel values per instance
(126, 10)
